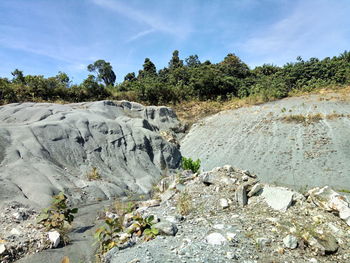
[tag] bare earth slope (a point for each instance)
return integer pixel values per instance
(46, 148)
(299, 142)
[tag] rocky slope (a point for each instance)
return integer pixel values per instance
(92, 151)
(226, 215)
(298, 142)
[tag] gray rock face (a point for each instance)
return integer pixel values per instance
(47, 148)
(284, 152)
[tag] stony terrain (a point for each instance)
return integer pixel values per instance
(230, 217)
(298, 142)
(92, 151)
(119, 151)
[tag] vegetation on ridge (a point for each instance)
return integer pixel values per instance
(182, 81)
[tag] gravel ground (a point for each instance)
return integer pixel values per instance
(253, 233)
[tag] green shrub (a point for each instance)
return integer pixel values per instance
(107, 235)
(189, 164)
(58, 214)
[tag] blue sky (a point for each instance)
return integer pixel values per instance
(47, 36)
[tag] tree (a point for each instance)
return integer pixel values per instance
(130, 77)
(149, 69)
(18, 76)
(175, 61)
(104, 71)
(233, 66)
(192, 61)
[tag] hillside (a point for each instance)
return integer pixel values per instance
(299, 142)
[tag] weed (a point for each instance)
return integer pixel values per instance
(184, 204)
(107, 235)
(189, 164)
(58, 214)
(344, 191)
(93, 175)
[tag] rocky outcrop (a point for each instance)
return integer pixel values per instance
(91, 151)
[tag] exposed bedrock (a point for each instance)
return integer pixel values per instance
(47, 148)
(299, 142)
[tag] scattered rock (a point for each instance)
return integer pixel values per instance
(150, 203)
(330, 200)
(216, 239)
(111, 215)
(290, 241)
(15, 231)
(256, 189)
(278, 198)
(55, 238)
(323, 244)
(166, 228)
(241, 195)
(2, 249)
(262, 241)
(224, 203)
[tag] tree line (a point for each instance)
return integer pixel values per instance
(181, 80)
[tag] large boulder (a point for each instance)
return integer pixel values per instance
(47, 148)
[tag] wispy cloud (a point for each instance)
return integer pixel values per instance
(310, 29)
(140, 34)
(153, 21)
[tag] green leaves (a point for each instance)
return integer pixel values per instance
(57, 215)
(189, 164)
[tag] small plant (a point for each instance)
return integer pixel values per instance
(144, 226)
(184, 204)
(123, 208)
(93, 175)
(58, 214)
(189, 164)
(107, 235)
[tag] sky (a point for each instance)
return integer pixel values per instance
(47, 36)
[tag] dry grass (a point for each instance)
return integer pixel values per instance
(312, 118)
(191, 111)
(93, 175)
(184, 203)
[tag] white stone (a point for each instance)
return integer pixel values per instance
(111, 215)
(224, 203)
(2, 249)
(330, 200)
(15, 232)
(55, 238)
(219, 226)
(313, 260)
(231, 236)
(216, 239)
(255, 189)
(290, 242)
(230, 255)
(278, 198)
(18, 216)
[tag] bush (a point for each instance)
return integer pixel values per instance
(58, 214)
(189, 164)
